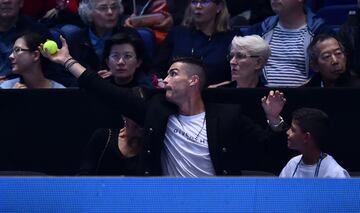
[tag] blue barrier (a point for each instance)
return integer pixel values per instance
(178, 195)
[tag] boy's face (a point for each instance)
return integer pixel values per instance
(296, 136)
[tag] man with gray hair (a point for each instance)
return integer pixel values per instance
(248, 56)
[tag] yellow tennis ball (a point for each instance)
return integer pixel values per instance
(51, 47)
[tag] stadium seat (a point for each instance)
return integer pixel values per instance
(336, 14)
(149, 39)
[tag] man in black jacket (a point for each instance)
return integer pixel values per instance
(184, 136)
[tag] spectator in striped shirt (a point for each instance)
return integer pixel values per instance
(289, 33)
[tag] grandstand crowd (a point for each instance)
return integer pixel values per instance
(112, 46)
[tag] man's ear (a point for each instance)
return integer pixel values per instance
(194, 80)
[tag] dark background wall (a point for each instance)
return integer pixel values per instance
(46, 130)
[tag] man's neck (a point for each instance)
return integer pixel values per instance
(311, 157)
(192, 106)
(293, 20)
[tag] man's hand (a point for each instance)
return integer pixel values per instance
(61, 55)
(273, 105)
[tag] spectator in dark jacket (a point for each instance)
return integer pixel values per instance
(328, 60)
(87, 45)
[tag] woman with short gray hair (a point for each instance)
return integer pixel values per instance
(248, 56)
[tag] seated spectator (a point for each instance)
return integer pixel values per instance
(114, 151)
(248, 12)
(87, 45)
(160, 23)
(248, 56)
(308, 134)
(27, 61)
(289, 33)
(350, 34)
(12, 24)
(205, 34)
(64, 16)
(126, 61)
(328, 60)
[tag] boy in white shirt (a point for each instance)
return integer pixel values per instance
(309, 130)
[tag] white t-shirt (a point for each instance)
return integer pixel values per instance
(329, 168)
(186, 150)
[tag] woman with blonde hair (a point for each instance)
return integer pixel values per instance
(205, 33)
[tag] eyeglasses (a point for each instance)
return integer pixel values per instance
(18, 50)
(126, 57)
(238, 56)
(203, 3)
(105, 8)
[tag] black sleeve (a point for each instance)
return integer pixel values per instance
(93, 151)
(264, 149)
(122, 100)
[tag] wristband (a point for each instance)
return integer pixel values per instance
(276, 125)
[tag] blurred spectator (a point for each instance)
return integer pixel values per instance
(248, 56)
(308, 134)
(350, 34)
(158, 17)
(87, 45)
(114, 151)
(27, 61)
(205, 34)
(64, 16)
(328, 60)
(289, 34)
(248, 12)
(12, 24)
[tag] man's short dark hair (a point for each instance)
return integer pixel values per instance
(314, 121)
(201, 71)
(312, 51)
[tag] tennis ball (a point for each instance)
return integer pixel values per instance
(51, 47)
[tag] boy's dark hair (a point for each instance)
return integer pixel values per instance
(201, 71)
(314, 121)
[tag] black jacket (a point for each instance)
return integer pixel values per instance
(235, 142)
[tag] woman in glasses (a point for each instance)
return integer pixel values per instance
(248, 56)
(205, 33)
(29, 64)
(127, 63)
(101, 18)
(115, 151)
